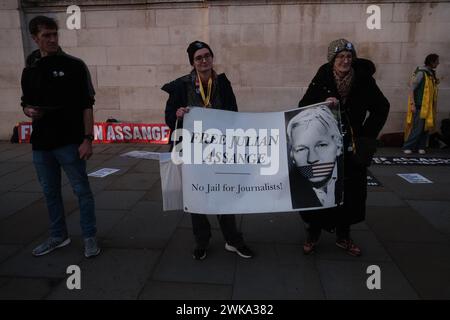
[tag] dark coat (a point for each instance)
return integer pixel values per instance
(364, 113)
(61, 86)
(222, 96)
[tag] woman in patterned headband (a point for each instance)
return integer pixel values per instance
(347, 81)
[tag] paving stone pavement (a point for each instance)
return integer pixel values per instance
(146, 252)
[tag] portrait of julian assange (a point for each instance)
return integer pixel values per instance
(315, 157)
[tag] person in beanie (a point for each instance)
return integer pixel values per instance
(347, 82)
(57, 94)
(204, 87)
(422, 103)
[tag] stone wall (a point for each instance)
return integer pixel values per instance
(11, 65)
(270, 52)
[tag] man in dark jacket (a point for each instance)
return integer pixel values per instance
(58, 96)
(203, 87)
(348, 81)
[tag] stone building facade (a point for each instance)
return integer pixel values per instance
(270, 50)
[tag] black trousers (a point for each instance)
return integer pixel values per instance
(202, 229)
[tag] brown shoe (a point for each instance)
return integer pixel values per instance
(349, 246)
(309, 247)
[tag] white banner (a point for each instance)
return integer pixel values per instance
(236, 162)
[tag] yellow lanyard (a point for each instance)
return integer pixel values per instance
(206, 99)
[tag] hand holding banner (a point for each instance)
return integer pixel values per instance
(256, 162)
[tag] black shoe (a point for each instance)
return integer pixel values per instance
(199, 253)
(241, 250)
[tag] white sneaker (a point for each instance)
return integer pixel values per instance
(422, 151)
(407, 151)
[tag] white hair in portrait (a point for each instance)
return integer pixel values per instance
(320, 114)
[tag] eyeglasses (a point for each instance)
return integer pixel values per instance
(205, 57)
(344, 56)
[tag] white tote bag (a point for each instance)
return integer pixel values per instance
(171, 184)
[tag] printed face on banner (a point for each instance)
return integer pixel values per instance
(315, 143)
(314, 146)
(313, 151)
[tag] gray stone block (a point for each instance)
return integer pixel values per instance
(11, 202)
(117, 200)
(114, 274)
(52, 265)
(134, 181)
(380, 171)
(437, 213)
(99, 148)
(422, 191)
(17, 178)
(186, 221)
(401, 224)
(112, 149)
(9, 167)
(13, 153)
(344, 280)
(92, 164)
(146, 166)
(156, 290)
(26, 289)
(436, 174)
(384, 199)
(101, 157)
(146, 226)
(25, 225)
(177, 265)
(299, 280)
(360, 226)
(154, 193)
(372, 249)
(7, 251)
(270, 228)
(27, 158)
(31, 186)
(426, 266)
(6, 147)
(119, 161)
(106, 220)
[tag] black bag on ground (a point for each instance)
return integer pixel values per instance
(15, 135)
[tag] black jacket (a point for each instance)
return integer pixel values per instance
(222, 96)
(364, 98)
(61, 85)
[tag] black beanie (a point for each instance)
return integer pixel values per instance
(193, 47)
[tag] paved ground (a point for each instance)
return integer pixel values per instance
(147, 252)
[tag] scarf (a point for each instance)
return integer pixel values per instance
(343, 84)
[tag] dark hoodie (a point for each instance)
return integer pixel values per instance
(61, 85)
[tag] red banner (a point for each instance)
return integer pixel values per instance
(107, 132)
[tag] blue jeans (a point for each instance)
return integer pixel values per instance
(48, 168)
(417, 138)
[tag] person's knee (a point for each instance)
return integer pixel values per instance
(82, 190)
(52, 192)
